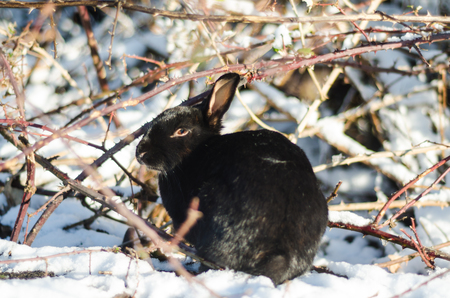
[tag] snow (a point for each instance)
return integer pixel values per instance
(332, 130)
(282, 38)
(106, 274)
(309, 3)
(410, 36)
(393, 39)
(346, 217)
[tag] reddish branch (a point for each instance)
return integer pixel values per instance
(29, 191)
(419, 247)
(298, 63)
(14, 123)
(405, 243)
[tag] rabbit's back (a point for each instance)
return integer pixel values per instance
(263, 212)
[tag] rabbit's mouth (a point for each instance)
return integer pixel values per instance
(145, 158)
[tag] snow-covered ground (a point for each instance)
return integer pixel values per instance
(107, 274)
(97, 270)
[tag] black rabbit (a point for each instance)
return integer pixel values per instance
(263, 211)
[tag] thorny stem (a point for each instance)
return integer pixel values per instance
(372, 231)
(413, 228)
(421, 56)
(26, 198)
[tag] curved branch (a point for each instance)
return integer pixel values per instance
(405, 243)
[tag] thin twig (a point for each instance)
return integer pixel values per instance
(421, 56)
(113, 32)
(380, 205)
(334, 194)
(54, 28)
(419, 249)
(354, 23)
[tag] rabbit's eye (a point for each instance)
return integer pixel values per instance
(180, 132)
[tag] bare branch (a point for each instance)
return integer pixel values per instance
(372, 231)
(380, 205)
(334, 193)
(232, 19)
(30, 189)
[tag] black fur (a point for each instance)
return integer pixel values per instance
(263, 212)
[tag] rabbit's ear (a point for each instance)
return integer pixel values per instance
(220, 99)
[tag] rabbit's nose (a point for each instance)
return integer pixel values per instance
(140, 157)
